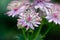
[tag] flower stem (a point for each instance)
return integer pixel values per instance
(38, 32)
(24, 33)
(31, 36)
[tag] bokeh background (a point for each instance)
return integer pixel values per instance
(9, 30)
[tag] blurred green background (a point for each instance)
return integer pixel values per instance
(9, 30)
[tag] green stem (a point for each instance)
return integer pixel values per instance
(38, 32)
(24, 33)
(31, 36)
(28, 36)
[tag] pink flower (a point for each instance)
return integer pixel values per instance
(54, 14)
(43, 5)
(30, 19)
(17, 7)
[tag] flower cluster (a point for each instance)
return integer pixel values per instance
(25, 10)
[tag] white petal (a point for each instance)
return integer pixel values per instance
(41, 7)
(22, 8)
(10, 13)
(50, 20)
(55, 20)
(47, 12)
(35, 25)
(49, 5)
(36, 7)
(31, 26)
(59, 21)
(48, 17)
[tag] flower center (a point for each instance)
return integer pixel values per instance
(15, 9)
(55, 15)
(29, 18)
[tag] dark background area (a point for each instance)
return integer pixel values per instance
(9, 30)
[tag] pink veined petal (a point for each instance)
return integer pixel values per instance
(46, 10)
(22, 22)
(31, 26)
(49, 5)
(37, 22)
(23, 8)
(19, 11)
(10, 13)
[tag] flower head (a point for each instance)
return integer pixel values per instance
(54, 14)
(29, 19)
(43, 5)
(17, 7)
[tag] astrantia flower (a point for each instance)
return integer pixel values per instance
(29, 19)
(54, 14)
(17, 7)
(42, 5)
